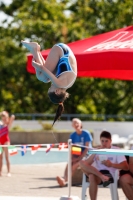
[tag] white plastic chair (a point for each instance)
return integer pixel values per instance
(112, 186)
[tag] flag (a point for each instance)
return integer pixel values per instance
(63, 145)
(76, 150)
(12, 150)
(23, 149)
(49, 147)
(34, 149)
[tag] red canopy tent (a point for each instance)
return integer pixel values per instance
(108, 55)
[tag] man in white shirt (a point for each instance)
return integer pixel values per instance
(126, 179)
(101, 168)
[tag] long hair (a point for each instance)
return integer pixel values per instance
(58, 99)
(59, 112)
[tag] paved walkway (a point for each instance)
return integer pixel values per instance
(38, 182)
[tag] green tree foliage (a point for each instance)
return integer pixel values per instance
(91, 17)
(41, 21)
(100, 95)
(49, 22)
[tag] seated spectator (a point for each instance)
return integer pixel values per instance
(126, 179)
(81, 137)
(101, 168)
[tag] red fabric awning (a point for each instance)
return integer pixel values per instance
(108, 55)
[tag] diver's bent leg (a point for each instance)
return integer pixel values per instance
(34, 48)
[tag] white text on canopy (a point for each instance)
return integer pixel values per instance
(122, 40)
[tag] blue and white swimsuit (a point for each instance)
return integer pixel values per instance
(64, 65)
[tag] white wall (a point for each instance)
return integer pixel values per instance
(124, 129)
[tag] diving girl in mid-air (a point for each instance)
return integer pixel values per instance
(60, 68)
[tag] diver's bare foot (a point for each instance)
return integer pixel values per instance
(61, 181)
(31, 46)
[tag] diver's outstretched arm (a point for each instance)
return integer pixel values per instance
(57, 82)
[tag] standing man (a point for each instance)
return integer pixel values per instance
(79, 137)
(105, 166)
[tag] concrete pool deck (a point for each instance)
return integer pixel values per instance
(38, 182)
